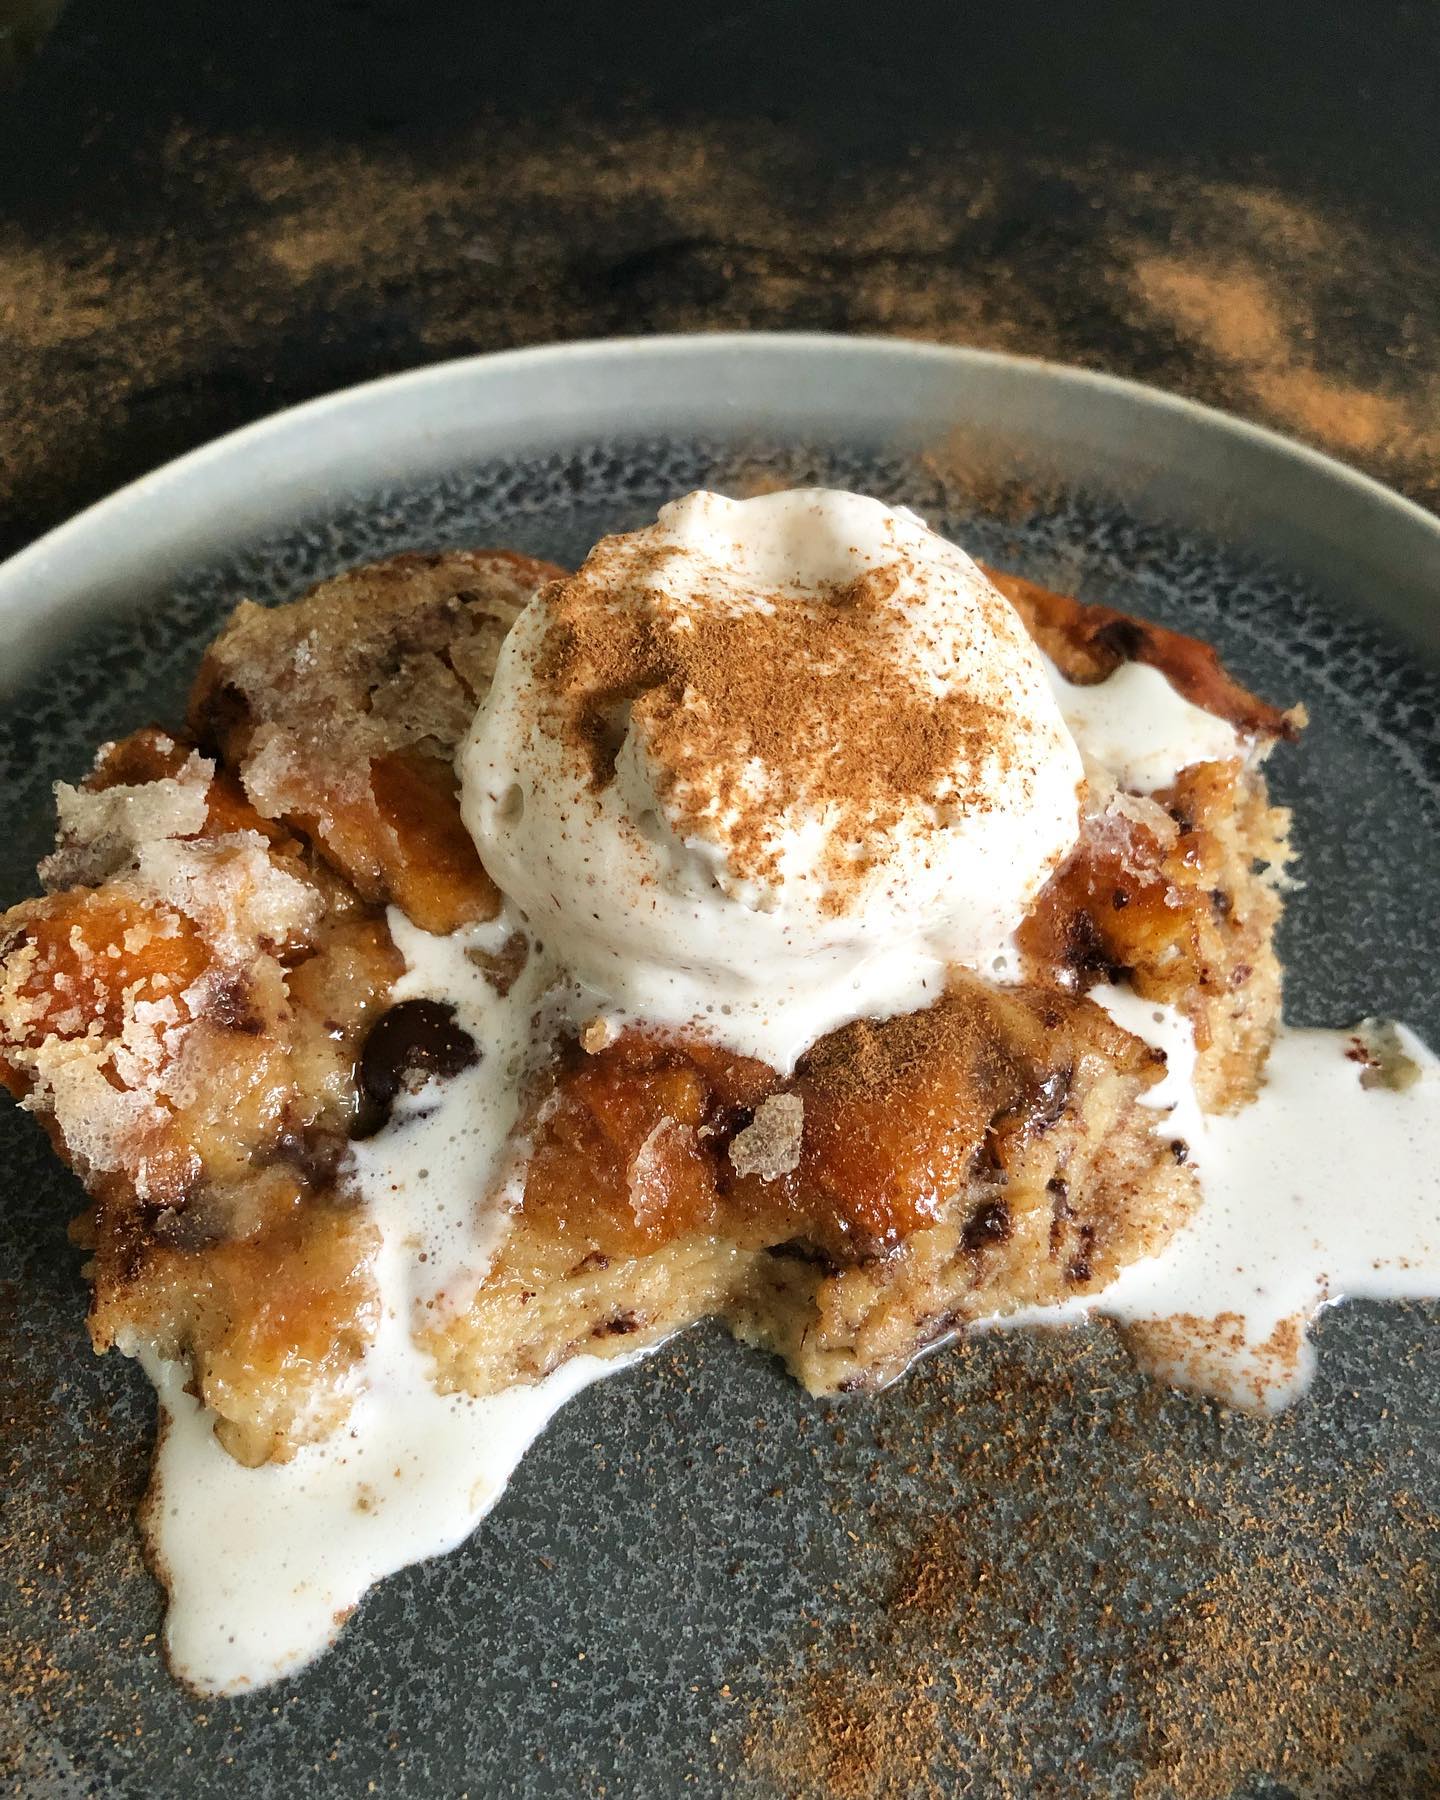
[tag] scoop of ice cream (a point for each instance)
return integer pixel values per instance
(770, 764)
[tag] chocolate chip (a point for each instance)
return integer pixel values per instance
(990, 1223)
(1086, 951)
(802, 1250)
(415, 1038)
(189, 1228)
(1080, 1269)
(224, 712)
(314, 1153)
(1051, 1098)
(231, 1005)
(1122, 638)
(1060, 1211)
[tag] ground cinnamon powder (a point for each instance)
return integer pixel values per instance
(803, 707)
(254, 272)
(1284, 1630)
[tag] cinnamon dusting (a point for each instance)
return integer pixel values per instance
(755, 713)
(1231, 292)
(1190, 1612)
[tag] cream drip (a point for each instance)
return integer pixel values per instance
(262, 1565)
(1321, 1189)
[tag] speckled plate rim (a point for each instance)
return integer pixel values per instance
(1171, 458)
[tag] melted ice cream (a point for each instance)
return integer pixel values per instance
(1323, 1187)
(263, 1565)
(1136, 731)
(1326, 1187)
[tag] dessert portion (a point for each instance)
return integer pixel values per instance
(777, 1084)
(1176, 885)
(986, 1153)
(760, 768)
(183, 1014)
(780, 918)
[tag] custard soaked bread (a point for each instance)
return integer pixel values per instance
(185, 1025)
(340, 714)
(985, 1154)
(1178, 891)
(188, 1009)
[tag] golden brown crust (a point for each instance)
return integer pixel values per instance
(1177, 893)
(341, 713)
(985, 1154)
(186, 1030)
(1088, 642)
(1179, 898)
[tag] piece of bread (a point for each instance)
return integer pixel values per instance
(340, 714)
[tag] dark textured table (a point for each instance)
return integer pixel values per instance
(210, 213)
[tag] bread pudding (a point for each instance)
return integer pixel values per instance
(198, 1008)
(850, 1082)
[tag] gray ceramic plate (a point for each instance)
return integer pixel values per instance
(1021, 1570)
